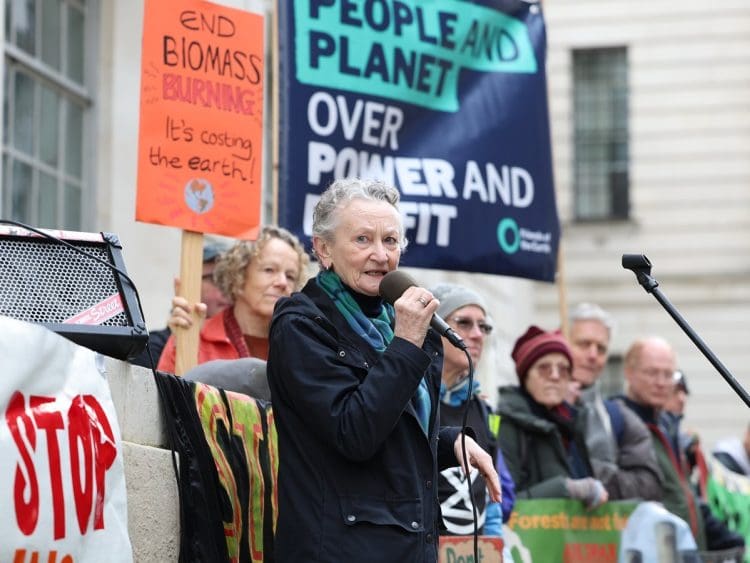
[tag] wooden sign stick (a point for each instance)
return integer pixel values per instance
(191, 269)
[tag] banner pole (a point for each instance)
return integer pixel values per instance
(562, 291)
(191, 268)
(275, 113)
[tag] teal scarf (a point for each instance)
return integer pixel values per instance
(376, 331)
(458, 394)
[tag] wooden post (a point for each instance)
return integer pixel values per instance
(191, 269)
(562, 294)
(275, 113)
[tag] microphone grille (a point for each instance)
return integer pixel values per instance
(393, 285)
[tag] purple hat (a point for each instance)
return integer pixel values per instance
(535, 343)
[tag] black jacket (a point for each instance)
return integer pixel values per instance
(357, 475)
(458, 518)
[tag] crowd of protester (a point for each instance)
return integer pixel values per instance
(554, 434)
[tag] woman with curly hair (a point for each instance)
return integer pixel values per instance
(253, 275)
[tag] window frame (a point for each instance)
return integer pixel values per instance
(68, 91)
(611, 183)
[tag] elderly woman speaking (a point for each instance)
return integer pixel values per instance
(354, 386)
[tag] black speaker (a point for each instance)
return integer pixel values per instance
(46, 282)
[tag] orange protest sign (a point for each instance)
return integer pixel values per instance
(199, 153)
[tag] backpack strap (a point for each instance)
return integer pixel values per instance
(616, 418)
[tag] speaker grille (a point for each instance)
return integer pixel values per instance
(43, 282)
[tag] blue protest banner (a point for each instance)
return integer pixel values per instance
(445, 100)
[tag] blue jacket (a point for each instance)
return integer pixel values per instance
(357, 476)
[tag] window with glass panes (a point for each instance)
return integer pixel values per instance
(45, 102)
(601, 152)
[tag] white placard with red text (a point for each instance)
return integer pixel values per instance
(62, 481)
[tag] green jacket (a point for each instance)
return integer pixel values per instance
(678, 495)
(533, 449)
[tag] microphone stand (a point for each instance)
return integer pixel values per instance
(641, 267)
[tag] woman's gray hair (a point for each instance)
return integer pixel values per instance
(340, 193)
(230, 272)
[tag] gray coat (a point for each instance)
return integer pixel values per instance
(627, 467)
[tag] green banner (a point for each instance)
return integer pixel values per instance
(729, 498)
(563, 530)
(407, 51)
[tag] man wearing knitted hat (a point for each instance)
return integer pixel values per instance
(545, 452)
(464, 310)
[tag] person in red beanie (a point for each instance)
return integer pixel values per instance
(544, 450)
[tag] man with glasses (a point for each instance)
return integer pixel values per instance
(464, 310)
(649, 367)
(618, 443)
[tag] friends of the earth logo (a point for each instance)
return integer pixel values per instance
(513, 238)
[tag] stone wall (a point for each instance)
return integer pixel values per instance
(153, 507)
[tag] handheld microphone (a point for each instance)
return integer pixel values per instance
(393, 285)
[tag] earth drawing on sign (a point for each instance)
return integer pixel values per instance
(199, 195)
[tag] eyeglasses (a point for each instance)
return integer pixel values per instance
(547, 368)
(464, 324)
(656, 373)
